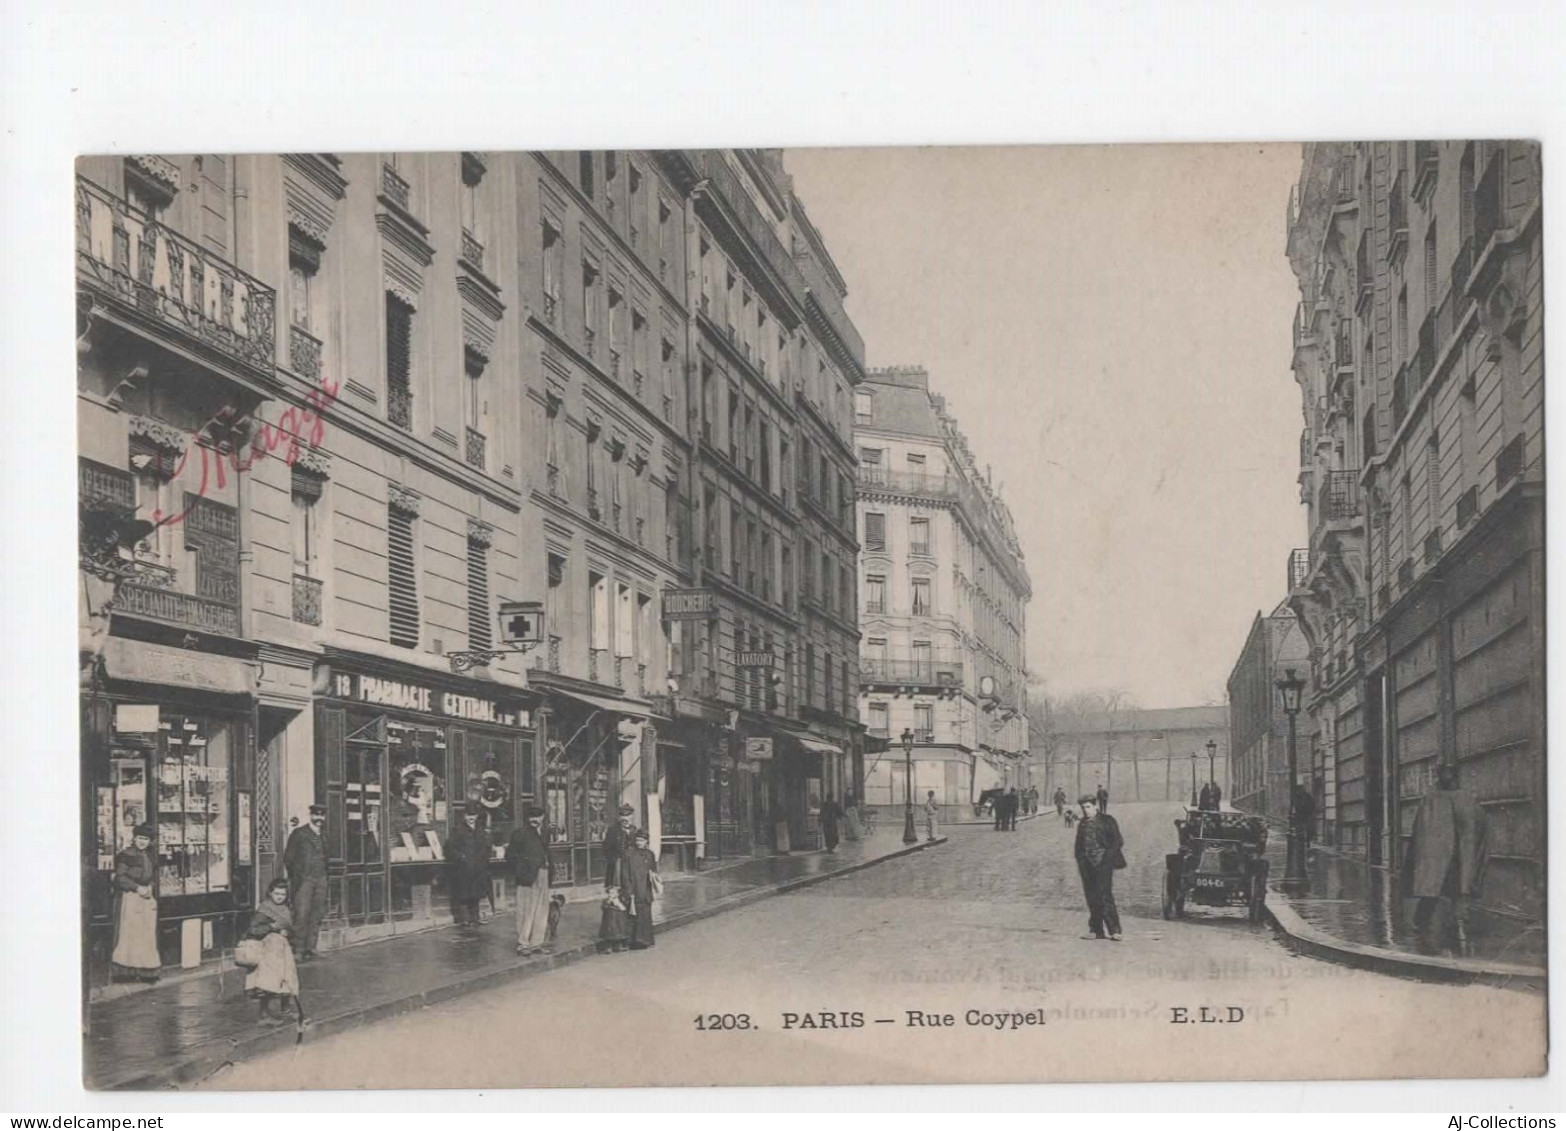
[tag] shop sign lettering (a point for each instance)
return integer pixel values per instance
(412, 697)
(687, 604)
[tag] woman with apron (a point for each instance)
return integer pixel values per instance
(135, 954)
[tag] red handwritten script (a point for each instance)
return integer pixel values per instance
(297, 428)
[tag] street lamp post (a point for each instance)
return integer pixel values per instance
(1289, 688)
(909, 836)
(1193, 780)
(1212, 754)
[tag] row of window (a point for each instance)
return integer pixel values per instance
(875, 534)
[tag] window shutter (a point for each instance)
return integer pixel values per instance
(875, 532)
(402, 579)
(480, 627)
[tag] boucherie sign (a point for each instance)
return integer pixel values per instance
(414, 697)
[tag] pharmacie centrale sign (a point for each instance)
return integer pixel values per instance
(413, 697)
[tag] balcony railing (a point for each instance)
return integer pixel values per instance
(472, 250)
(1299, 568)
(595, 662)
(1304, 332)
(307, 599)
(589, 340)
(924, 736)
(1343, 188)
(304, 353)
(394, 187)
(712, 164)
(638, 379)
(594, 511)
(399, 407)
(829, 303)
(924, 673)
(475, 448)
(148, 267)
(551, 307)
(1339, 497)
(614, 363)
(552, 480)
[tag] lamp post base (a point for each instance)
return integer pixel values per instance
(909, 836)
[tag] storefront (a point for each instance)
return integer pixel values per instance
(398, 751)
(597, 757)
(167, 740)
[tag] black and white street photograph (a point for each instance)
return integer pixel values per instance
(823, 558)
(515, 585)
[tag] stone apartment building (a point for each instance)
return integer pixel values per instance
(1258, 728)
(359, 402)
(944, 592)
(1419, 359)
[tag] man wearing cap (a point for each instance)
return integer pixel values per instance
(528, 858)
(616, 841)
(467, 866)
(304, 859)
(1098, 853)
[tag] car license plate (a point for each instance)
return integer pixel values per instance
(1211, 882)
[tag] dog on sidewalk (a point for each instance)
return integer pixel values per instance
(556, 906)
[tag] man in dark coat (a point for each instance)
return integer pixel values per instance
(616, 841)
(467, 867)
(1205, 801)
(1098, 853)
(831, 817)
(1305, 813)
(1103, 800)
(1013, 800)
(1446, 857)
(304, 859)
(528, 858)
(1060, 802)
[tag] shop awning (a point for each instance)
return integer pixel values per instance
(140, 662)
(816, 746)
(628, 707)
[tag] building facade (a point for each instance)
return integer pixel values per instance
(1258, 728)
(1157, 754)
(944, 592)
(335, 411)
(1419, 358)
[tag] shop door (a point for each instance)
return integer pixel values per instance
(356, 818)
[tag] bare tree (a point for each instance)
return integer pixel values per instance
(1059, 725)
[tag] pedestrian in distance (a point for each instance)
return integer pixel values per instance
(642, 886)
(1445, 861)
(1060, 803)
(135, 954)
(1305, 813)
(1103, 799)
(467, 867)
(304, 862)
(853, 822)
(528, 858)
(616, 841)
(831, 822)
(274, 977)
(1099, 854)
(1013, 800)
(1204, 800)
(932, 816)
(997, 807)
(1033, 800)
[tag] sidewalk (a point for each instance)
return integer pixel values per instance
(186, 1030)
(1350, 912)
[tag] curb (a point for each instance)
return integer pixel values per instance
(1302, 938)
(199, 1064)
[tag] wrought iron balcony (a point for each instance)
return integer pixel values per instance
(924, 736)
(726, 185)
(394, 187)
(1343, 189)
(595, 662)
(554, 653)
(551, 307)
(1339, 497)
(638, 379)
(594, 511)
(472, 250)
(552, 480)
(589, 340)
(146, 267)
(304, 353)
(399, 407)
(475, 448)
(914, 672)
(1299, 568)
(307, 599)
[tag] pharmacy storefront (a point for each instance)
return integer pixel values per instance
(399, 751)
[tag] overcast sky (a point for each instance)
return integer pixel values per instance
(1111, 327)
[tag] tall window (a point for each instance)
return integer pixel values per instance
(584, 172)
(475, 410)
(864, 408)
(879, 719)
(624, 622)
(304, 263)
(924, 722)
(786, 585)
(921, 596)
(551, 261)
(472, 208)
(663, 238)
(1402, 324)
(589, 306)
(480, 624)
(401, 578)
(875, 593)
(616, 317)
(764, 442)
(919, 536)
(875, 531)
(924, 659)
(399, 362)
(666, 355)
(1430, 265)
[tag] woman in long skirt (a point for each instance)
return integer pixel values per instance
(275, 978)
(641, 879)
(136, 916)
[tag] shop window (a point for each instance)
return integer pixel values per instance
(417, 757)
(401, 578)
(192, 784)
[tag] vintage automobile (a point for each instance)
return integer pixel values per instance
(1221, 863)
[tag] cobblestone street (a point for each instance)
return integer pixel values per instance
(989, 923)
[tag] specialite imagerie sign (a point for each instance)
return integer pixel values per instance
(416, 697)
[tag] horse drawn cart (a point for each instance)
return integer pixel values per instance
(1221, 863)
